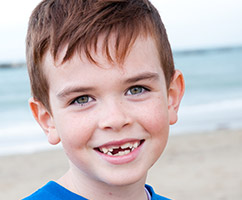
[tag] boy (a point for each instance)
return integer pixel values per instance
(104, 85)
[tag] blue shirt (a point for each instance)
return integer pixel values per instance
(54, 191)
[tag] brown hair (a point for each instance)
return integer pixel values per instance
(79, 23)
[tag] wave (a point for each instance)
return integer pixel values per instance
(186, 52)
(223, 105)
(24, 138)
(225, 114)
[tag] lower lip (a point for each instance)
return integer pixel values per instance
(119, 160)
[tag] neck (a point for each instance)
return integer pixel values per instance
(93, 189)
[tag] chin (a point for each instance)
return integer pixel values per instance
(126, 178)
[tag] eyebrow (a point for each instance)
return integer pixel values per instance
(143, 76)
(73, 89)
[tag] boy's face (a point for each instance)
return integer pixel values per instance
(113, 121)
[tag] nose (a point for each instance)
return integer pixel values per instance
(114, 116)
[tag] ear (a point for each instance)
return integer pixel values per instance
(175, 94)
(45, 120)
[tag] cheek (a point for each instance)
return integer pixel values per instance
(156, 124)
(155, 119)
(74, 131)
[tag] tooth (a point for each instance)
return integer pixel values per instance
(121, 153)
(104, 150)
(132, 149)
(125, 146)
(136, 144)
(126, 152)
(117, 154)
(110, 149)
(109, 153)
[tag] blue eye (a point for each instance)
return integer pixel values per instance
(82, 100)
(136, 90)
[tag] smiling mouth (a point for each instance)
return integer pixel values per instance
(120, 150)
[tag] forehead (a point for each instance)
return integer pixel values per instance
(102, 49)
(143, 54)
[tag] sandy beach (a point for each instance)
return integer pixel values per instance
(193, 166)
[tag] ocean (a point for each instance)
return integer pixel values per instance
(212, 100)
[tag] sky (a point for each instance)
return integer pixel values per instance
(190, 24)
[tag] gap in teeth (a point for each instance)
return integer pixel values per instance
(120, 150)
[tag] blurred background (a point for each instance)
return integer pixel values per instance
(206, 38)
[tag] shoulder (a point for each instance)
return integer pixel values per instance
(155, 196)
(43, 193)
(53, 191)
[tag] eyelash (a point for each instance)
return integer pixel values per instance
(89, 98)
(143, 90)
